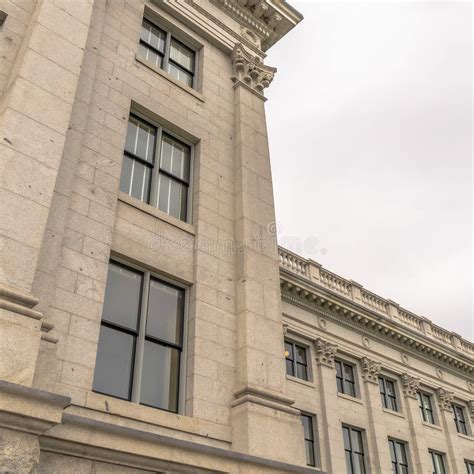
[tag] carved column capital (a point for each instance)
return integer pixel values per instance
(445, 399)
(325, 352)
(250, 71)
(370, 370)
(410, 385)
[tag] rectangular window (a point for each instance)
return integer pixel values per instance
(156, 168)
(388, 394)
(163, 50)
(426, 407)
(296, 361)
(459, 419)
(354, 450)
(141, 339)
(309, 439)
(345, 378)
(470, 467)
(398, 454)
(437, 462)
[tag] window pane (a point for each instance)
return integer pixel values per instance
(180, 74)
(350, 388)
(308, 427)
(289, 349)
(390, 388)
(126, 177)
(401, 454)
(346, 436)
(349, 462)
(359, 466)
(309, 449)
(356, 439)
(140, 139)
(149, 55)
(381, 385)
(122, 296)
(178, 201)
(392, 404)
(153, 36)
(289, 367)
(338, 368)
(182, 55)
(165, 312)
(340, 387)
(113, 368)
(175, 158)
(348, 372)
(391, 445)
(160, 376)
(140, 185)
(301, 372)
(300, 354)
(164, 188)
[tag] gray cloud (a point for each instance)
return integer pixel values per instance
(370, 124)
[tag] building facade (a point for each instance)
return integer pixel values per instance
(148, 320)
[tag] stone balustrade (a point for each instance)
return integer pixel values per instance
(351, 290)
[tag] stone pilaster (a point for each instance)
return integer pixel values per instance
(377, 433)
(261, 382)
(331, 442)
(410, 387)
(453, 453)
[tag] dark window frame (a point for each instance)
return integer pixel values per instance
(438, 455)
(389, 402)
(427, 413)
(350, 450)
(140, 336)
(295, 364)
(460, 419)
(344, 384)
(156, 169)
(469, 466)
(165, 55)
(310, 441)
(397, 464)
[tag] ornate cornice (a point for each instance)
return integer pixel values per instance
(445, 399)
(410, 385)
(250, 71)
(370, 370)
(325, 352)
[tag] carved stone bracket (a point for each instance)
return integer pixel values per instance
(250, 71)
(470, 407)
(370, 370)
(325, 352)
(445, 399)
(410, 385)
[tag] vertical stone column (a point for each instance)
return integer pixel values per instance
(332, 443)
(454, 455)
(421, 461)
(378, 440)
(264, 423)
(34, 119)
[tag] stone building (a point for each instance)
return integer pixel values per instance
(148, 320)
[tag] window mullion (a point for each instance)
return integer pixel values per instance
(166, 57)
(137, 379)
(156, 168)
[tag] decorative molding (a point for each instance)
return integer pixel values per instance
(410, 385)
(325, 352)
(370, 370)
(470, 408)
(445, 399)
(250, 71)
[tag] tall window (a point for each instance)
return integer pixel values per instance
(161, 49)
(345, 378)
(309, 439)
(426, 407)
(354, 449)
(470, 467)
(156, 168)
(296, 361)
(437, 462)
(459, 419)
(398, 454)
(388, 394)
(141, 339)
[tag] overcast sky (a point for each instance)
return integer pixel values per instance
(370, 133)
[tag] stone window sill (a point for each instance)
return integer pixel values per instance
(430, 425)
(168, 77)
(153, 211)
(394, 413)
(351, 399)
(467, 437)
(301, 381)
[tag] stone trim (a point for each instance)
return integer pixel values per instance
(325, 352)
(74, 448)
(250, 71)
(19, 302)
(410, 385)
(445, 399)
(470, 409)
(370, 370)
